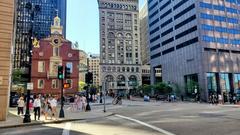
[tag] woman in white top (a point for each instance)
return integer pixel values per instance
(53, 103)
(37, 106)
(21, 105)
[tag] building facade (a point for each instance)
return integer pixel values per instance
(120, 58)
(94, 67)
(33, 18)
(47, 56)
(196, 40)
(83, 65)
(6, 31)
(145, 51)
(146, 75)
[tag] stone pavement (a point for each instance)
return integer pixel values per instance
(13, 120)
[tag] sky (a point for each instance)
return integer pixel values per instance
(83, 24)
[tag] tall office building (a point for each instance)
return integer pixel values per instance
(34, 18)
(196, 40)
(145, 51)
(6, 30)
(120, 60)
(93, 67)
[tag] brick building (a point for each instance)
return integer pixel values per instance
(47, 55)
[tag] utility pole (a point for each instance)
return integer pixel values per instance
(31, 9)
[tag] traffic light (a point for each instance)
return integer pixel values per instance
(66, 85)
(89, 78)
(60, 72)
(67, 72)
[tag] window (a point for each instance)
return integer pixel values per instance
(153, 6)
(155, 47)
(156, 55)
(166, 32)
(187, 43)
(224, 82)
(154, 39)
(167, 41)
(190, 19)
(40, 84)
(41, 66)
(168, 51)
(153, 31)
(55, 51)
(153, 14)
(166, 23)
(165, 5)
(55, 84)
(166, 13)
(70, 65)
(70, 82)
(154, 22)
(184, 11)
(186, 32)
(179, 4)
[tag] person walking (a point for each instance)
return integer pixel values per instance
(84, 101)
(53, 103)
(21, 105)
(37, 107)
(79, 103)
(47, 108)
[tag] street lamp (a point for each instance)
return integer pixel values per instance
(32, 10)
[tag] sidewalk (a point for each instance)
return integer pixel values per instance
(13, 120)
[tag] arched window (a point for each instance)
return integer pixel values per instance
(111, 35)
(128, 35)
(132, 80)
(109, 78)
(121, 80)
(120, 35)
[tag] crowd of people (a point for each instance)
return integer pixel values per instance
(221, 99)
(78, 103)
(45, 105)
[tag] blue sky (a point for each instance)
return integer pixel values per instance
(83, 24)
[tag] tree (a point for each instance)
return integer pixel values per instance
(144, 89)
(81, 86)
(17, 76)
(162, 88)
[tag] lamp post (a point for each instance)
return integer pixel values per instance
(32, 10)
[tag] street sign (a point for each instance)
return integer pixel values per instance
(1, 80)
(30, 86)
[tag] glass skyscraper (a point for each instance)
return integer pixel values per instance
(196, 40)
(33, 18)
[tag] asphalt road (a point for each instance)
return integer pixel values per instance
(136, 118)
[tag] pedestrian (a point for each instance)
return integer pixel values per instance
(21, 105)
(220, 99)
(72, 103)
(47, 108)
(37, 107)
(182, 98)
(53, 103)
(79, 103)
(84, 101)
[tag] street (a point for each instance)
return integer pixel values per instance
(148, 118)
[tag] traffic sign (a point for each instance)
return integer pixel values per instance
(30, 86)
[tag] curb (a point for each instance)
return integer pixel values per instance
(51, 122)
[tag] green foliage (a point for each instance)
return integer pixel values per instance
(162, 88)
(145, 89)
(17, 76)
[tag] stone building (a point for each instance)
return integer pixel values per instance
(6, 31)
(120, 58)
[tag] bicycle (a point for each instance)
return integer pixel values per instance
(117, 100)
